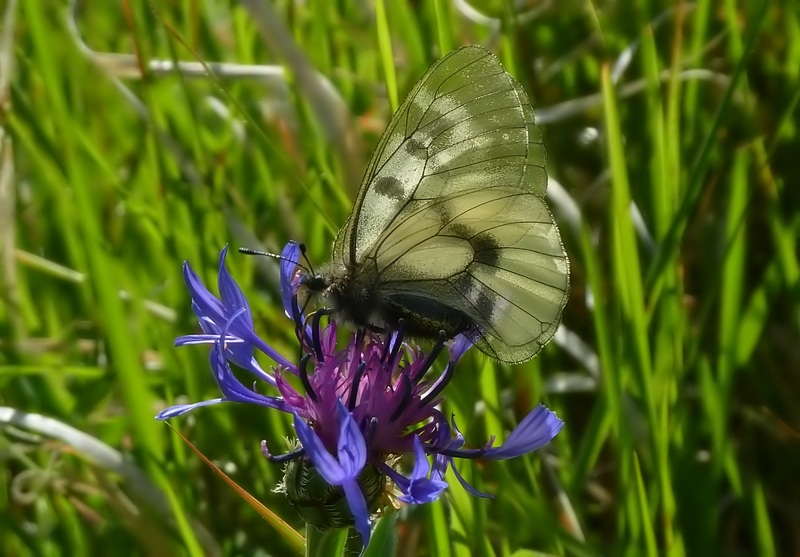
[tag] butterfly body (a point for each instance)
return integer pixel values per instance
(354, 296)
(450, 231)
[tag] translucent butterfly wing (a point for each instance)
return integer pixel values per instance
(494, 253)
(466, 122)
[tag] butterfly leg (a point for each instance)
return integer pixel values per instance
(315, 332)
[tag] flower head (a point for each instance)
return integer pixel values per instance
(361, 406)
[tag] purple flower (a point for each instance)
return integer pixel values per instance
(344, 472)
(361, 406)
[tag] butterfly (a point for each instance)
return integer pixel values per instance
(450, 233)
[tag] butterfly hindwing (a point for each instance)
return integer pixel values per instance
(492, 253)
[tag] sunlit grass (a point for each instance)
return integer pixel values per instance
(681, 160)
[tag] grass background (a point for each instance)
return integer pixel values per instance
(671, 129)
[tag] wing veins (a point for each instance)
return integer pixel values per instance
(407, 136)
(484, 319)
(449, 198)
(529, 314)
(417, 281)
(491, 71)
(410, 249)
(464, 104)
(456, 71)
(467, 166)
(444, 200)
(519, 274)
(381, 242)
(501, 225)
(475, 136)
(436, 96)
(481, 204)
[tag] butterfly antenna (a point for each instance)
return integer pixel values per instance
(305, 256)
(251, 251)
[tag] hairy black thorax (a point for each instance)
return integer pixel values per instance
(353, 294)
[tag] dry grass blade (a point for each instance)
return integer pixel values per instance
(8, 271)
(106, 458)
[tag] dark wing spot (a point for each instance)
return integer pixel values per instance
(487, 248)
(485, 300)
(484, 244)
(461, 231)
(389, 186)
(478, 296)
(442, 214)
(416, 149)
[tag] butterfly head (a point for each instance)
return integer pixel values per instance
(312, 289)
(313, 283)
(346, 292)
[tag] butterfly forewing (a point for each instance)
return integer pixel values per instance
(450, 225)
(464, 123)
(534, 177)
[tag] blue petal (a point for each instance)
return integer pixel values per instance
(465, 484)
(232, 296)
(421, 465)
(233, 315)
(352, 454)
(230, 342)
(419, 489)
(458, 441)
(233, 390)
(358, 506)
(323, 461)
(238, 350)
(458, 346)
(290, 256)
(395, 336)
(180, 409)
(238, 317)
(352, 448)
(440, 463)
(538, 428)
(205, 305)
(186, 340)
(423, 491)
